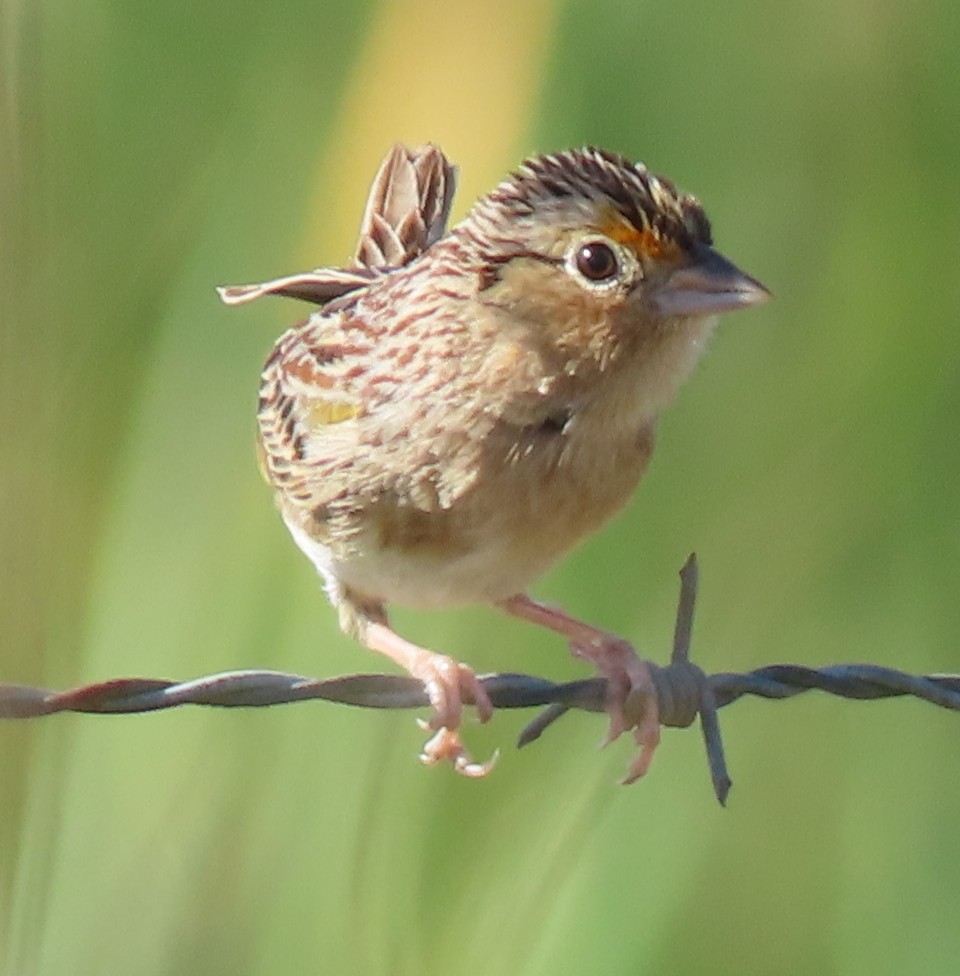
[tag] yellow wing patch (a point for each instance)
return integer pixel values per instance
(323, 413)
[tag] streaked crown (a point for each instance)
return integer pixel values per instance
(592, 187)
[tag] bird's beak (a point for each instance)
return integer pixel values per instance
(708, 285)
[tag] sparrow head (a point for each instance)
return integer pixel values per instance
(589, 229)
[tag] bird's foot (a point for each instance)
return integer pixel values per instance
(631, 698)
(632, 695)
(449, 684)
(445, 746)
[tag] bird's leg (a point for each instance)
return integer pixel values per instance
(448, 684)
(632, 702)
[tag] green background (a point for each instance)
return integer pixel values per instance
(151, 150)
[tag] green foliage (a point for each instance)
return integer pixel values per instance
(150, 151)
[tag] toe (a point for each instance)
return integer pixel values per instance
(631, 700)
(445, 746)
(441, 678)
(449, 684)
(647, 736)
(474, 690)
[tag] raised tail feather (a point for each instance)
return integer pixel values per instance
(407, 208)
(407, 211)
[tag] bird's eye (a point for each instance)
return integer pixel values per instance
(597, 262)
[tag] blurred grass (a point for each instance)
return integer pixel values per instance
(150, 151)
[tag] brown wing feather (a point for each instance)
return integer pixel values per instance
(320, 286)
(309, 411)
(369, 400)
(407, 208)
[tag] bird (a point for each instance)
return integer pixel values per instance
(465, 405)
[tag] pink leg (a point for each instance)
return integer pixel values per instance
(633, 700)
(448, 684)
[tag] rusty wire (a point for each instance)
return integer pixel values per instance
(683, 691)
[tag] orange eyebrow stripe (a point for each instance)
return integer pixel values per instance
(645, 243)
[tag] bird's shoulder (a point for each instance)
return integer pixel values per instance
(397, 388)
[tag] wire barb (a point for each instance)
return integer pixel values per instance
(683, 690)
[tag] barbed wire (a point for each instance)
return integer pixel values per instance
(683, 691)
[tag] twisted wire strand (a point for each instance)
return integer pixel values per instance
(683, 691)
(258, 689)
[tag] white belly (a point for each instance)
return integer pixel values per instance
(482, 575)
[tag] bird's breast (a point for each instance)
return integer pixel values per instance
(511, 489)
(537, 494)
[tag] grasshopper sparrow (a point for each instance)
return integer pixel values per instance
(464, 406)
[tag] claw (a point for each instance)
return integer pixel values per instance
(448, 684)
(632, 699)
(445, 746)
(632, 694)
(646, 734)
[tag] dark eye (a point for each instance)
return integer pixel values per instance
(597, 262)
